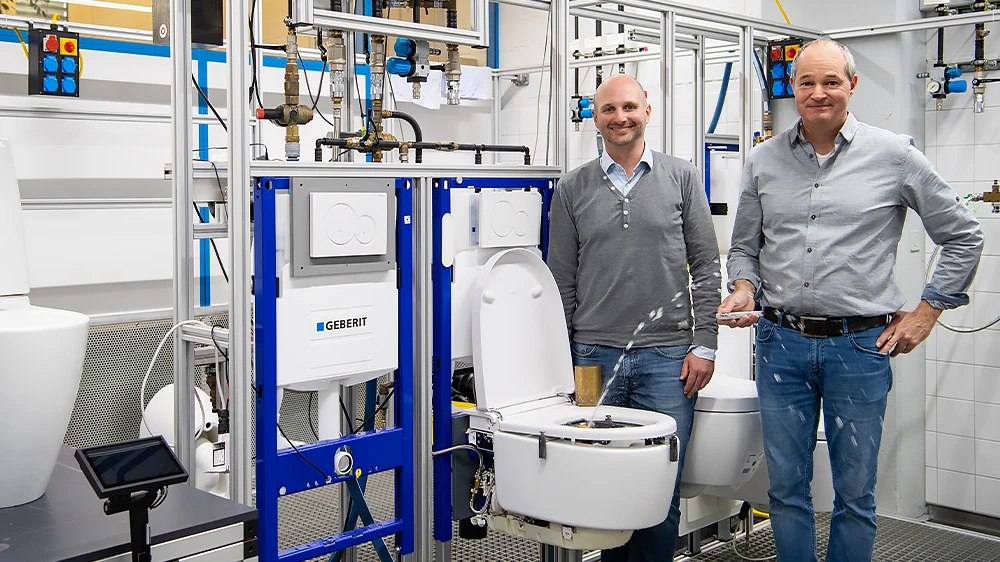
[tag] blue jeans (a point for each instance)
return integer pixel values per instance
(853, 380)
(648, 378)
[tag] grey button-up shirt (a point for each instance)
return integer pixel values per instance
(821, 240)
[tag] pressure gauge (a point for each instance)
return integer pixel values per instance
(933, 86)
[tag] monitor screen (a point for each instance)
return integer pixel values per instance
(131, 463)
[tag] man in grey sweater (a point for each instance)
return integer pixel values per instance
(626, 230)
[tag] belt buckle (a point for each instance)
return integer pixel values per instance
(802, 326)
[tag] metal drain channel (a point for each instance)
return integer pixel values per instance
(897, 540)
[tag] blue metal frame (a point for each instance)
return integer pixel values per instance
(441, 279)
(287, 472)
(204, 263)
(493, 50)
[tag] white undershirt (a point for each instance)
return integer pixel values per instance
(822, 158)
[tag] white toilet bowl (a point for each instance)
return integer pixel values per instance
(821, 486)
(42, 353)
(547, 467)
(41, 356)
(726, 447)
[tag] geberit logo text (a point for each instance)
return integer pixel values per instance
(342, 324)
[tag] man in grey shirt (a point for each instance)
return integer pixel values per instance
(625, 227)
(820, 214)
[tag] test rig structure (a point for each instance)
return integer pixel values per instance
(423, 379)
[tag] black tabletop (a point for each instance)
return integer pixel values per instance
(68, 522)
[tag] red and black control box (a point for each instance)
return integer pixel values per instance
(53, 62)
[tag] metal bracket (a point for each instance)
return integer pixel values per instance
(542, 444)
(366, 517)
(516, 83)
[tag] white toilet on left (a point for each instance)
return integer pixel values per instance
(42, 353)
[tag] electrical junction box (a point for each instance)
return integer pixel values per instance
(509, 218)
(347, 224)
(53, 62)
(206, 22)
(779, 67)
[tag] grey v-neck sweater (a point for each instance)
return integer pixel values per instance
(619, 260)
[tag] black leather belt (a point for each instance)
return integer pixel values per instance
(822, 326)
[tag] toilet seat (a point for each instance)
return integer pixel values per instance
(518, 307)
(728, 394)
(552, 419)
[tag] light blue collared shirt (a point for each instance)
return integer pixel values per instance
(624, 184)
(616, 173)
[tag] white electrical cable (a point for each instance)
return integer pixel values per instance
(145, 379)
(749, 558)
(927, 277)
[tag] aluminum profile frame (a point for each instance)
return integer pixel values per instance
(183, 267)
(238, 175)
(476, 37)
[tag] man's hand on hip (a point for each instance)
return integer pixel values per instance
(696, 372)
(908, 329)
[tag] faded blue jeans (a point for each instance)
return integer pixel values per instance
(647, 379)
(853, 379)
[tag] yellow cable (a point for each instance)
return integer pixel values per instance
(760, 514)
(787, 21)
(55, 17)
(23, 44)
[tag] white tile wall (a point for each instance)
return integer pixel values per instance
(987, 309)
(956, 380)
(931, 485)
(961, 317)
(931, 449)
(930, 372)
(955, 348)
(988, 385)
(956, 417)
(957, 490)
(955, 128)
(987, 458)
(953, 162)
(988, 496)
(963, 370)
(987, 421)
(988, 348)
(957, 454)
(989, 272)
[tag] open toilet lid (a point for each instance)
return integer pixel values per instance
(728, 394)
(520, 346)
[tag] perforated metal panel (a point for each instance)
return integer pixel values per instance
(107, 403)
(897, 540)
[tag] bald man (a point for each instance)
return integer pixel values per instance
(626, 230)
